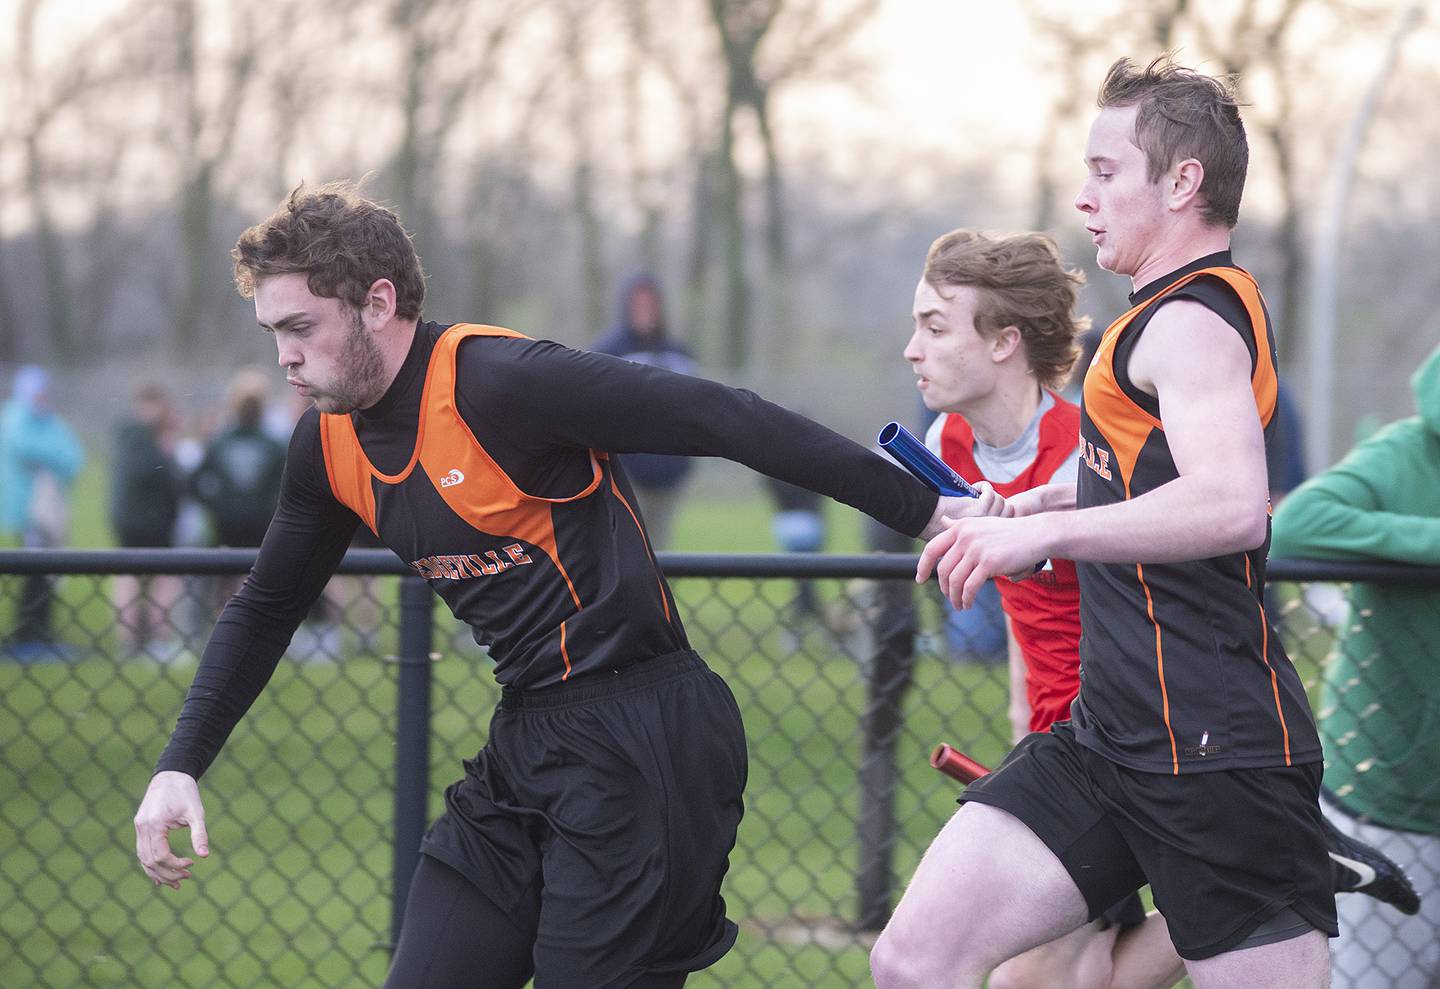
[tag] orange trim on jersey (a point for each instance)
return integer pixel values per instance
(349, 474)
(646, 539)
(1124, 424)
(480, 489)
(1265, 655)
(1160, 670)
(564, 653)
(485, 491)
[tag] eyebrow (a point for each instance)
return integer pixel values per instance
(1100, 160)
(928, 313)
(283, 322)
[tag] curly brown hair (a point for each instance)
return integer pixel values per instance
(1022, 283)
(1184, 114)
(341, 241)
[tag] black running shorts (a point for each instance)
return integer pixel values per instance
(600, 815)
(1223, 851)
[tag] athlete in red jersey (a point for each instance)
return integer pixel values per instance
(1042, 611)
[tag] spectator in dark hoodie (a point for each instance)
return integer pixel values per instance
(145, 488)
(639, 334)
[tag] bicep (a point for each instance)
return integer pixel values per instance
(1200, 369)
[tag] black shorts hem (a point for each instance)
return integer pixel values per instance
(460, 864)
(1242, 931)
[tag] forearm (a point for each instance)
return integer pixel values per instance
(305, 542)
(1190, 518)
(1356, 513)
(238, 662)
(1055, 497)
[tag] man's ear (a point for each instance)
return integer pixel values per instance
(379, 305)
(1005, 343)
(1183, 184)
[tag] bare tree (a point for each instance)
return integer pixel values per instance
(56, 104)
(816, 30)
(577, 18)
(204, 129)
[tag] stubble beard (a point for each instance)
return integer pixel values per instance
(359, 376)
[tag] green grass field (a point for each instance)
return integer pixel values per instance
(297, 889)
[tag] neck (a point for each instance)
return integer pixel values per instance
(395, 343)
(1195, 244)
(1001, 416)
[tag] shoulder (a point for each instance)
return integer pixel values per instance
(305, 439)
(1188, 346)
(1186, 326)
(487, 355)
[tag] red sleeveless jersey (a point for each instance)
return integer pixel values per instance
(1044, 610)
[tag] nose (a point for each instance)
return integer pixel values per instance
(286, 350)
(912, 349)
(1084, 201)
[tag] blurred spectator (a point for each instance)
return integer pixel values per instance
(1285, 449)
(40, 457)
(798, 527)
(1379, 714)
(640, 335)
(238, 479)
(145, 489)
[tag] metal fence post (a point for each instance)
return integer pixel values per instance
(888, 672)
(412, 739)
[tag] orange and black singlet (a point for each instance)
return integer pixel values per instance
(486, 468)
(1180, 669)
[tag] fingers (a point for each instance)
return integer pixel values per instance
(934, 549)
(172, 801)
(989, 501)
(161, 864)
(199, 837)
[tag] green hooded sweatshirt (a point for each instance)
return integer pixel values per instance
(1380, 706)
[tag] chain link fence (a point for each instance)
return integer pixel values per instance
(847, 675)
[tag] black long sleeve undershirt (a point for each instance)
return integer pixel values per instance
(537, 407)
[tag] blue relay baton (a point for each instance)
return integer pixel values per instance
(933, 472)
(917, 458)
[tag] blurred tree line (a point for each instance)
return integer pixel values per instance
(539, 149)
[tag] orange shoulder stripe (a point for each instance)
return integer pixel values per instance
(347, 467)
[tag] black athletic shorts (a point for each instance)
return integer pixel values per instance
(600, 814)
(1224, 851)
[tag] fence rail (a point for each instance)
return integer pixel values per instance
(847, 674)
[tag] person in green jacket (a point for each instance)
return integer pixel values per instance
(1379, 714)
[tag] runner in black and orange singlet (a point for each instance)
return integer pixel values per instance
(586, 843)
(1191, 760)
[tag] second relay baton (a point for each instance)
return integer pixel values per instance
(956, 764)
(917, 458)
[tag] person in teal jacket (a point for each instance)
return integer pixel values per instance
(1380, 707)
(37, 449)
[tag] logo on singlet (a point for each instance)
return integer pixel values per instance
(451, 479)
(464, 567)
(1096, 458)
(1204, 748)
